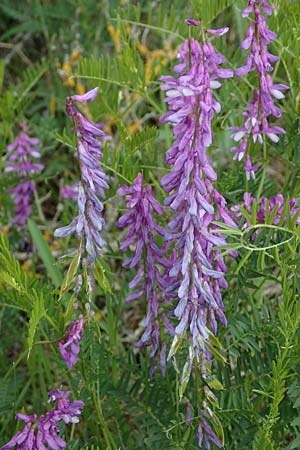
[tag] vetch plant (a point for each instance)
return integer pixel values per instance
(262, 106)
(69, 346)
(43, 433)
(89, 222)
(230, 327)
(198, 272)
(149, 278)
(20, 158)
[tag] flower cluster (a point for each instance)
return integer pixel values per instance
(89, 222)
(20, 156)
(149, 280)
(43, 433)
(198, 273)
(262, 105)
(69, 346)
(267, 207)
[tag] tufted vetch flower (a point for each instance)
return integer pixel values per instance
(43, 433)
(259, 110)
(21, 159)
(198, 273)
(89, 222)
(69, 346)
(149, 279)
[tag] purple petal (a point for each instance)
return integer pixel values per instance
(218, 31)
(88, 96)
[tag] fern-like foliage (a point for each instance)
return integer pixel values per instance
(19, 291)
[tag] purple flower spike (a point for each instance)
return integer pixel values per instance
(43, 434)
(20, 156)
(149, 279)
(89, 222)
(69, 346)
(260, 60)
(198, 273)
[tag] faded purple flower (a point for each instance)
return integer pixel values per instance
(43, 434)
(89, 222)
(206, 434)
(69, 191)
(260, 60)
(188, 414)
(69, 346)
(20, 156)
(198, 273)
(149, 279)
(22, 195)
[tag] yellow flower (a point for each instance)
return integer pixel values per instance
(75, 56)
(67, 67)
(80, 89)
(70, 82)
(115, 36)
(134, 127)
(5, 231)
(52, 104)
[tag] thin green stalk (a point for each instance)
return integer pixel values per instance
(110, 442)
(262, 181)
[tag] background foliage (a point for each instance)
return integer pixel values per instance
(51, 49)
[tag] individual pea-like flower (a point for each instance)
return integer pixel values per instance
(69, 346)
(260, 60)
(89, 222)
(199, 272)
(149, 261)
(20, 159)
(43, 433)
(249, 168)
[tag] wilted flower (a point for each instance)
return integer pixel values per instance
(69, 346)
(20, 156)
(147, 258)
(89, 222)
(43, 433)
(260, 60)
(206, 434)
(198, 272)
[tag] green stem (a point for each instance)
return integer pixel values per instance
(109, 440)
(52, 323)
(262, 181)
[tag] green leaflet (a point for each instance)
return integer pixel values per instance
(45, 253)
(72, 270)
(36, 315)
